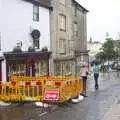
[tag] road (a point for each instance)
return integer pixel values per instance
(94, 107)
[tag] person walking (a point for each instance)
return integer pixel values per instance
(83, 73)
(96, 70)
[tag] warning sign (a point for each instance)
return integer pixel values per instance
(51, 95)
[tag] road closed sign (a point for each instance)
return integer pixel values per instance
(51, 95)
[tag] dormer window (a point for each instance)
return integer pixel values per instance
(35, 12)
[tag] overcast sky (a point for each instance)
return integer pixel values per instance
(103, 16)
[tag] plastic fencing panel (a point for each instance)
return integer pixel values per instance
(25, 88)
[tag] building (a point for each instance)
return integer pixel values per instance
(24, 24)
(94, 48)
(68, 35)
(34, 23)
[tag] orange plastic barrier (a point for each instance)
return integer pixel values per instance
(48, 89)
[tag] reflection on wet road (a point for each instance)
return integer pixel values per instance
(22, 112)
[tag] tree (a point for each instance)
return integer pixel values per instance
(117, 48)
(108, 51)
(101, 56)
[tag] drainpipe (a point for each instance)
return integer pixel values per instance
(75, 63)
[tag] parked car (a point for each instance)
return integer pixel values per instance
(116, 66)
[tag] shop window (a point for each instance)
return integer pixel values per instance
(17, 69)
(41, 68)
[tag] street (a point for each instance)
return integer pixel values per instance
(93, 107)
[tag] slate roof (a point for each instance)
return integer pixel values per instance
(80, 5)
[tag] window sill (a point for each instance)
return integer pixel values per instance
(35, 20)
(63, 30)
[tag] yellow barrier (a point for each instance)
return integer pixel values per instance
(48, 89)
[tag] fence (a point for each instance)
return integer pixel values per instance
(48, 89)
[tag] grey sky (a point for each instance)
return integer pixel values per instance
(104, 16)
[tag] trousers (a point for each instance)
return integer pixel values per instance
(84, 83)
(96, 75)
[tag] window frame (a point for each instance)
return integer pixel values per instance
(63, 44)
(75, 29)
(36, 13)
(71, 46)
(60, 19)
(57, 68)
(75, 10)
(38, 42)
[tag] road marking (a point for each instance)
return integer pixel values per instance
(54, 108)
(44, 113)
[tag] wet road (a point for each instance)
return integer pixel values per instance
(91, 108)
(28, 111)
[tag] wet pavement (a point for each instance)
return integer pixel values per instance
(94, 107)
(28, 111)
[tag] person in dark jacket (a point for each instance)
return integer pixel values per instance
(96, 71)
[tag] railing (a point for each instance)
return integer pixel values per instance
(49, 89)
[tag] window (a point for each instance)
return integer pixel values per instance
(62, 68)
(75, 29)
(75, 10)
(62, 22)
(57, 69)
(71, 45)
(41, 68)
(17, 69)
(63, 2)
(35, 12)
(36, 43)
(67, 67)
(62, 46)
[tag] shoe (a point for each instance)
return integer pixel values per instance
(84, 95)
(96, 87)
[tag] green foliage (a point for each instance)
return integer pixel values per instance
(101, 56)
(110, 50)
(31, 49)
(117, 47)
(17, 50)
(44, 49)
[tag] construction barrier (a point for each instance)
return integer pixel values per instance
(48, 89)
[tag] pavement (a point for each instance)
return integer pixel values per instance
(113, 113)
(99, 105)
(103, 104)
